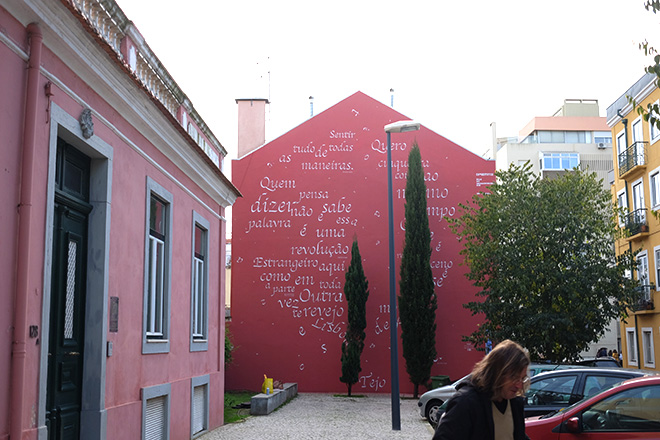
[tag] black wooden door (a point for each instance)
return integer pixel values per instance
(67, 314)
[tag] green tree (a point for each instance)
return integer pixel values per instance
(541, 251)
(417, 300)
(229, 347)
(356, 290)
(652, 111)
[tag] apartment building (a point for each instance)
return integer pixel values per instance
(574, 136)
(636, 187)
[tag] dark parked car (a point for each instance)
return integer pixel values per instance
(558, 389)
(548, 391)
(630, 410)
(431, 401)
(606, 361)
(541, 367)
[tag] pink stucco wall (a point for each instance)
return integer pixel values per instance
(11, 110)
(305, 196)
(127, 370)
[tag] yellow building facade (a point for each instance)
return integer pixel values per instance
(636, 187)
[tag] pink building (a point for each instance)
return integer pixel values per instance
(305, 196)
(112, 306)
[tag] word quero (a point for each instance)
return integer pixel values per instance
(340, 207)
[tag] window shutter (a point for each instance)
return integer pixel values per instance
(199, 409)
(155, 419)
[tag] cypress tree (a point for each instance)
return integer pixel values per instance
(356, 292)
(417, 300)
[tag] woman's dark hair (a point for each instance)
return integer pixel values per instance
(506, 360)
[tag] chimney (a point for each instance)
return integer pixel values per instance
(251, 124)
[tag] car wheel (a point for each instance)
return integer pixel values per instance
(432, 413)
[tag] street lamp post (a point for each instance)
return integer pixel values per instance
(395, 127)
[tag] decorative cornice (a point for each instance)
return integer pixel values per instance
(113, 80)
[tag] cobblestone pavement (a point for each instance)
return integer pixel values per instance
(323, 416)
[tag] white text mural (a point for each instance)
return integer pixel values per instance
(306, 196)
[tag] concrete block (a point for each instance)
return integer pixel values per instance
(291, 390)
(262, 404)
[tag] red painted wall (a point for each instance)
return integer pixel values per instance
(305, 196)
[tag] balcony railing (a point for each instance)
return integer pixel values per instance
(635, 155)
(636, 222)
(644, 301)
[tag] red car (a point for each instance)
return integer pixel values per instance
(630, 410)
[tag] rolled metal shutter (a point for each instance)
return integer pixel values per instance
(199, 409)
(155, 419)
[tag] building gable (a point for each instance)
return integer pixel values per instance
(306, 195)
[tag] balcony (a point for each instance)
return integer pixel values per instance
(632, 160)
(644, 302)
(637, 224)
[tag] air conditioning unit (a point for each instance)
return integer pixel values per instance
(601, 146)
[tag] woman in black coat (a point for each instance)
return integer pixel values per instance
(490, 405)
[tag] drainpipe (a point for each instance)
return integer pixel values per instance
(19, 343)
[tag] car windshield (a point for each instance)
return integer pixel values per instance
(567, 408)
(562, 410)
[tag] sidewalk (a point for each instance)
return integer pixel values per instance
(323, 416)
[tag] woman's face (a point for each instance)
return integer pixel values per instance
(514, 384)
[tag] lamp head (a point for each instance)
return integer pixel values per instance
(402, 126)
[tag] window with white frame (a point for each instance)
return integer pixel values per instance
(638, 204)
(643, 274)
(156, 264)
(637, 133)
(156, 412)
(656, 262)
(199, 406)
(156, 310)
(654, 132)
(647, 347)
(602, 137)
(199, 287)
(576, 137)
(621, 152)
(654, 188)
(621, 142)
(631, 340)
(622, 203)
(560, 161)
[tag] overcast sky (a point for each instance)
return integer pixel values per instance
(455, 66)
